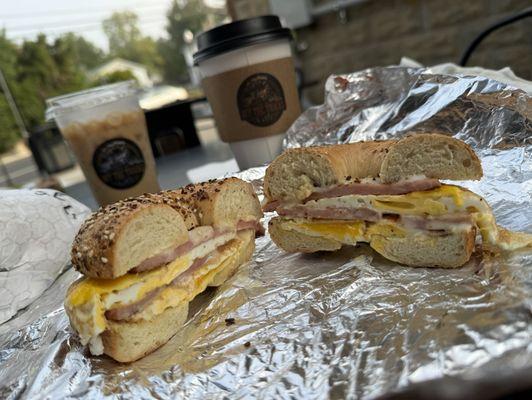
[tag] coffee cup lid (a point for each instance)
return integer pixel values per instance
(239, 34)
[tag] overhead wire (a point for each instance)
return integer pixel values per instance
(87, 28)
(54, 29)
(73, 11)
(71, 23)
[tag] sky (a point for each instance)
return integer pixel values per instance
(27, 18)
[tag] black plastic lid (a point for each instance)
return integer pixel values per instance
(235, 35)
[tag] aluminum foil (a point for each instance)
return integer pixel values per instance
(344, 325)
(37, 228)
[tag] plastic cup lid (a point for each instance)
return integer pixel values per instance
(88, 98)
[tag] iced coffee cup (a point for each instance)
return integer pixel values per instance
(106, 129)
(249, 79)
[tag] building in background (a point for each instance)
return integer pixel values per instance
(162, 95)
(335, 36)
(139, 71)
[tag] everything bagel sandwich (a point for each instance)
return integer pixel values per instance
(145, 258)
(387, 194)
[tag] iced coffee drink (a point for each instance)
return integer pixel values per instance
(106, 129)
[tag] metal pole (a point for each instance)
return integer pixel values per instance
(18, 119)
(333, 6)
(5, 173)
(13, 106)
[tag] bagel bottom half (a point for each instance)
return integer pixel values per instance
(127, 341)
(451, 250)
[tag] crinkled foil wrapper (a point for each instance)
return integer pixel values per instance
(344, 325)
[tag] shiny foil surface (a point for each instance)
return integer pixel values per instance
(348, 324)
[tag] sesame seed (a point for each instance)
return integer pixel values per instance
(104, 260)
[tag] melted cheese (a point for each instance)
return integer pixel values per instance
(89, 288)
(443, 200)
(89, 298)
(346, 232)
(384, 228)
(438, 201)
(349, 232)
(172, 296)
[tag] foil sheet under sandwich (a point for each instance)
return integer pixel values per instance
(344, 325)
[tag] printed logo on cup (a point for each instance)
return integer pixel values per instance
(119, 163)
(260, 100)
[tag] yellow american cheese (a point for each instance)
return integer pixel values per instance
(87, 298)
(384, 228)
(172, 296)
(89, 288)
(443, 200)
(425, 202)
(342, 231)
(348, 232)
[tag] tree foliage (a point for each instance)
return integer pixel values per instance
(192, 15)
(85, 53)
(42, 68)
(45, 71)
(8, 129)
(34, 72)
(8, 61)
(126, 40)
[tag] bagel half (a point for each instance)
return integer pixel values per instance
(120, 236)
(297, 173)
(145, 258)
(387, 194)
(449, 250)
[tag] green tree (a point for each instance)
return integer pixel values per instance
(45, 71)
(85, 54)
(36, 71)
(35, 62)
(122, 30)
(192, 15)
(71, 75)
(9, 133)
(126, 40)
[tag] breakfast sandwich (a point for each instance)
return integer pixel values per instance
(385, 193)
(145, 258)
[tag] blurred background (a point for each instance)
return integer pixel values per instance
(69, 46)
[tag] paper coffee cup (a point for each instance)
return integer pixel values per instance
(249, 78)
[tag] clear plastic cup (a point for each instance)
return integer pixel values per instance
(106, 129)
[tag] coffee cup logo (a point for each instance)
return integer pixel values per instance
(261, 100)
(119, 163)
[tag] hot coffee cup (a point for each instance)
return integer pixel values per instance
(249, 79)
